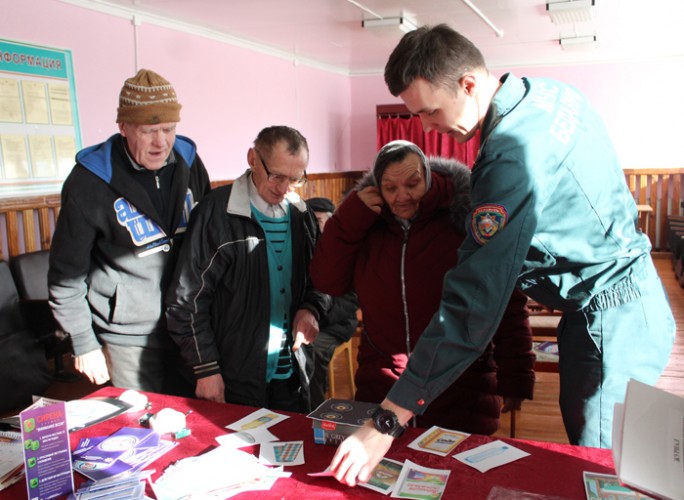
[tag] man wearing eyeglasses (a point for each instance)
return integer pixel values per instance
(241, 306)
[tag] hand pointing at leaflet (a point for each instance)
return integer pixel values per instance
(361, 452)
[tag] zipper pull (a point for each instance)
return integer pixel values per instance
(156, 179)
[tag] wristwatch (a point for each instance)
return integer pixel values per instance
(386, 422)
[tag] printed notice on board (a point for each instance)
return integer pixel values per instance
(39, 125)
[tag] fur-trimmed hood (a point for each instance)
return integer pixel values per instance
(445, 167)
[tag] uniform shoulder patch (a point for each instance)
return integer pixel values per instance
(487, 220)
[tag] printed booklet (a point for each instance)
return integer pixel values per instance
(127, 450)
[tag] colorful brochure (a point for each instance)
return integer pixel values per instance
(286, 453)
(47, 456)
(420, 483)
(127, 450)
(607, 487)
(262, 418)
(384, 476)
(438, 441)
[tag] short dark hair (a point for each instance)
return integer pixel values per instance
(437, 54)
(270, 136)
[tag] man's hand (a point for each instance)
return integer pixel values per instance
(93, 365)
(511, 404)
(372, 198)
(211, 388)
(304, 328)
(361, 452)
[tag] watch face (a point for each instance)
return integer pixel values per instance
(385, 421)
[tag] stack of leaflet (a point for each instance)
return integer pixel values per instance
(648, 440)
(127, 487)
(220, 473)
(11, 458)
(127, 450)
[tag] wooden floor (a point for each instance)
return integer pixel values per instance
(540, 418)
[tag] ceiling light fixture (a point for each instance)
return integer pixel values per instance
(577, 42)
(400, 22)
(570, 11)
(481, 15)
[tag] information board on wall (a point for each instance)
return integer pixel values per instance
(39, 128)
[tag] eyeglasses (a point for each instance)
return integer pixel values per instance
(280, 178)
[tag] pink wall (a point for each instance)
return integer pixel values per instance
(641, 103)
(228, 93)
(367, 92)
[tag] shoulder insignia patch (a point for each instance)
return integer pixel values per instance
(487, 220)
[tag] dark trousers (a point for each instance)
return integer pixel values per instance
(148, 369)
(286, 395)
(323, 347)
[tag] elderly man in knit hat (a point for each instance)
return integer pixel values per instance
(125, 207)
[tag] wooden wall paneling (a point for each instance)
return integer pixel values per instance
(655, 199)
(665, 201)
(29, 221)
(679, 187)
(3, 233)
(637, 189)
(45, 228)
(632, 185)
(12, 225)
(29, 230)
(674, 200)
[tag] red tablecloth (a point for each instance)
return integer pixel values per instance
(551, 469)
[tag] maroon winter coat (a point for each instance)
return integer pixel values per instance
(362, 251)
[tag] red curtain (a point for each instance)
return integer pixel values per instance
(432, 143)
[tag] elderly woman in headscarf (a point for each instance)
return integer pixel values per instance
(392, 240)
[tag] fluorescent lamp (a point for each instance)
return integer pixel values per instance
(577, 42)
(570, 11)
(401, 23)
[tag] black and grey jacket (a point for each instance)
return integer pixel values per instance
(113, 252)
(218, 304)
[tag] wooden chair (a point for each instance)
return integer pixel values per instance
(345, 350)
(342, 351)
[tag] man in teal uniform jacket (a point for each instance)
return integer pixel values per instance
(552, 215)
